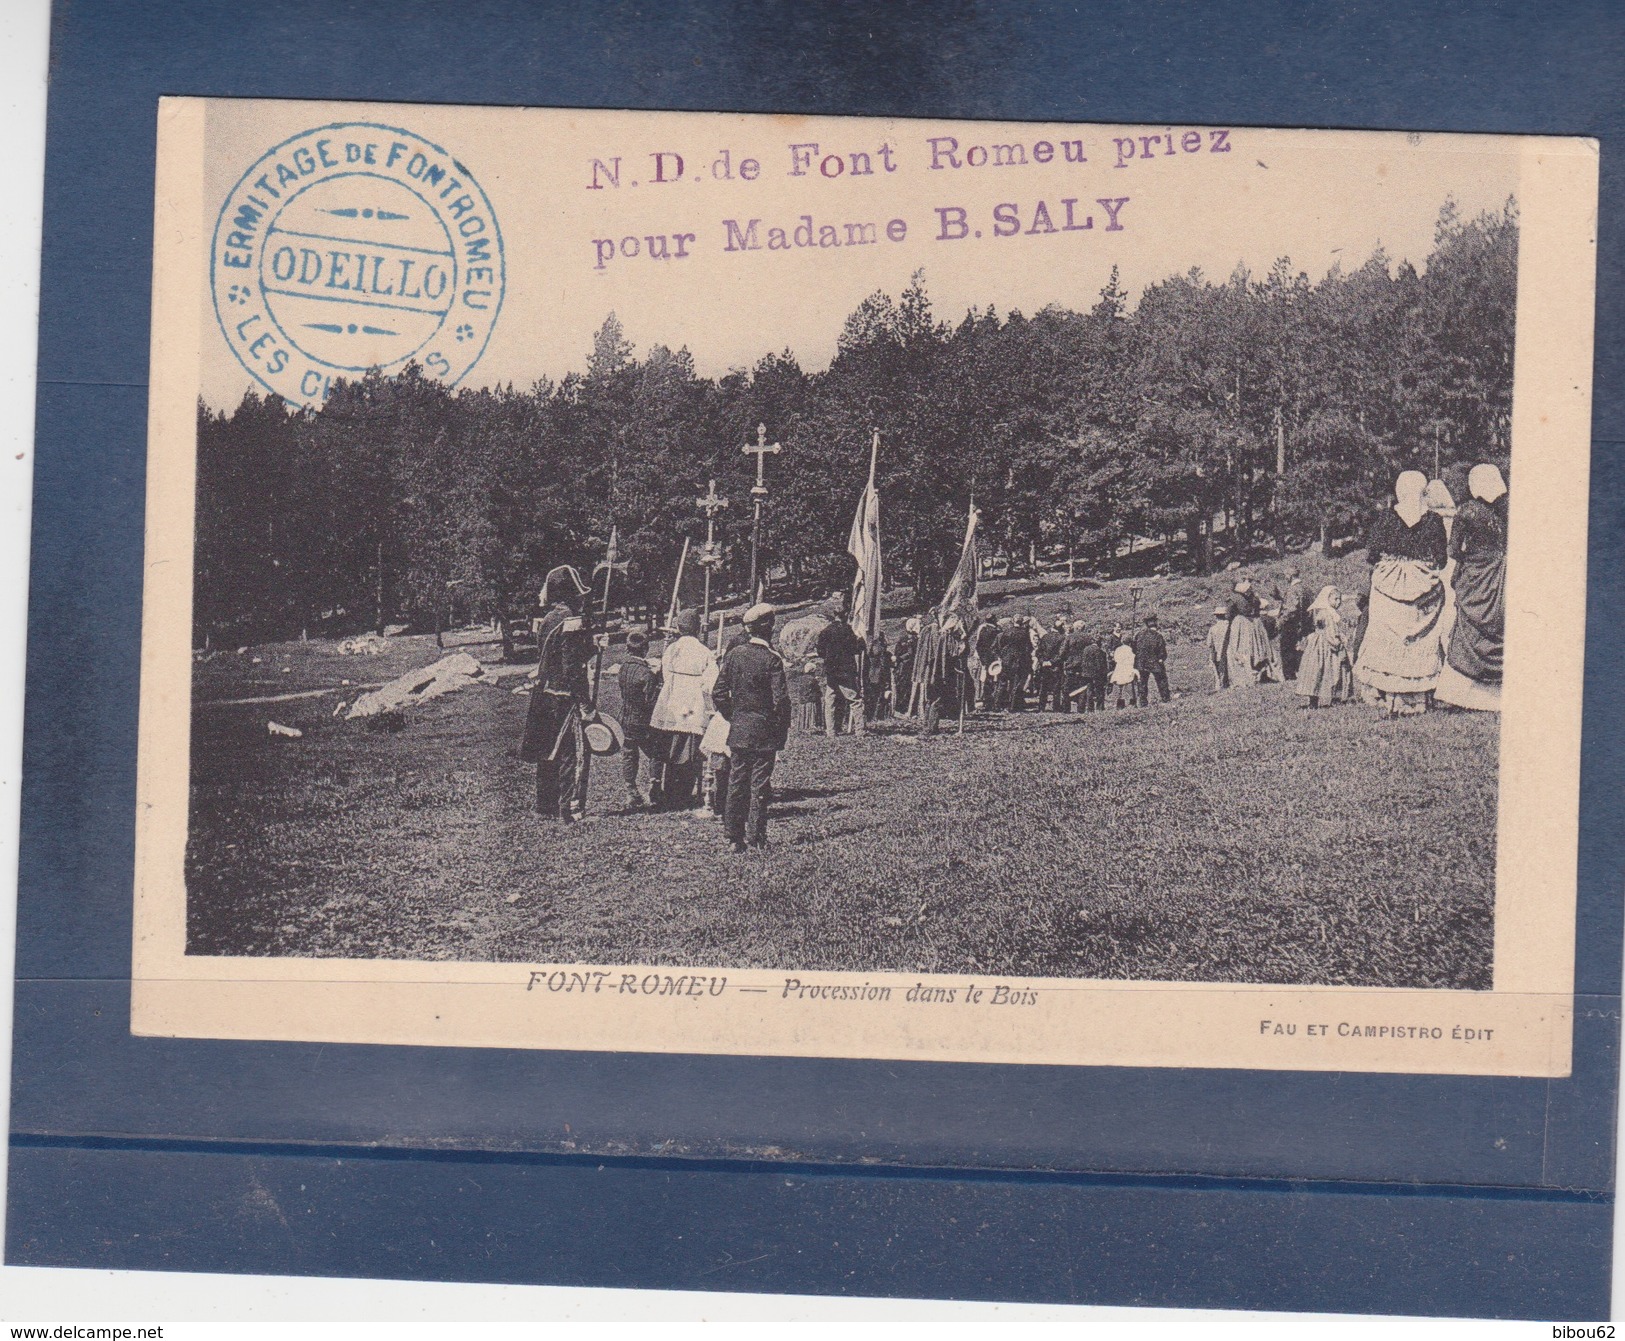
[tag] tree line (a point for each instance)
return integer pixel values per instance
(1210, 417)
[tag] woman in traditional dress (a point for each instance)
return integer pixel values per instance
(798, 646)
(688, 669)
(1440, 498)
(1270, 611)
(1326, 673)
(1400, 656)
(1247, 653)
(1471, 677)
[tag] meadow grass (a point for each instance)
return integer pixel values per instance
(1222, 837)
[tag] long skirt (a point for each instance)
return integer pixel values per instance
(1447, 617)
(1247, 651)
(1457, 690)
(1400, 656)
(675, 747)
(806, 710)
(1471, 677)
(683, 763)
(1324, 673)
(1478, 640)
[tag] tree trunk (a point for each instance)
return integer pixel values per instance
(378, 594)
(1198, 541)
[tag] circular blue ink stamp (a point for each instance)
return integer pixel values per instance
(352, 247)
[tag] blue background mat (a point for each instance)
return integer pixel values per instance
(1105, 1185)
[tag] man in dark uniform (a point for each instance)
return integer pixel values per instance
(751, 693)
(1073, 657)
(1094, 663)
(1150, 662)
(1295, 623)
(1051, 690)
(721, 764)
(560, 696)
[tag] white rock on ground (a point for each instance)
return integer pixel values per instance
(446, 676)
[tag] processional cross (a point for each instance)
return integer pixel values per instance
(761, 447)
(711, 555)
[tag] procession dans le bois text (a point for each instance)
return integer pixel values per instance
(1052, 214)
(600, 982)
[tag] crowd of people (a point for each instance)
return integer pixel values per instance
(1429, 629)
(707, 722)
(709, 728)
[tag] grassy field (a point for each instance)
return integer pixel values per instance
(1222, 837)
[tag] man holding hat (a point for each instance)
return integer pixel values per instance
(560, 697)
(751, 693)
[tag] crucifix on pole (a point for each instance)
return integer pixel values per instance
(711, 555)
(761, 447)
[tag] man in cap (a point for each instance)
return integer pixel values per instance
(560, 697)
(752, 695)
(640, 685)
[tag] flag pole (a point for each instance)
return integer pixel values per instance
(871, 612)
(676, 586)
(603, 616)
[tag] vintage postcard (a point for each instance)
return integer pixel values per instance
(951, 591)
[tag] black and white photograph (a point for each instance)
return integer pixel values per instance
(1084, 557)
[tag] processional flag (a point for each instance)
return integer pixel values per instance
(960, 598)
(863, 544)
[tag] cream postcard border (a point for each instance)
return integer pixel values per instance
(1521, 1027)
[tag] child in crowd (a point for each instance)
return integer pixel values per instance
(1326, 673)
(640, 685)
(1123, 672)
